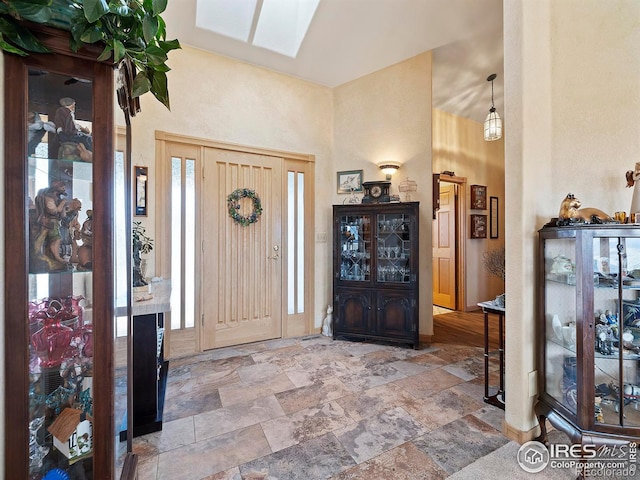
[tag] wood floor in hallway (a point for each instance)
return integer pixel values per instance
(464, 328)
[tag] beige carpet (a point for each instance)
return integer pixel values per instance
(502, 464)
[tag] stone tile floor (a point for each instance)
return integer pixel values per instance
(314, 408)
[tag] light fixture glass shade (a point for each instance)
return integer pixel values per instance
(492, 126)
(389, 168)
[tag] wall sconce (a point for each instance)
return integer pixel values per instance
(389, 169)
(493, 123)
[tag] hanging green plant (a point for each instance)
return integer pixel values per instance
(233, 203)
(130, 30)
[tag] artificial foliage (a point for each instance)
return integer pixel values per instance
(130, 30)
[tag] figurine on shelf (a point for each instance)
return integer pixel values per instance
(50, 209)
(68, 130)
(632, 177)
(85, 251)
(70, 232)
(37, 452)
(571, 213)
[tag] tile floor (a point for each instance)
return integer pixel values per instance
(314, 408)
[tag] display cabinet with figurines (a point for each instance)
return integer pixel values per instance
(59, 385)
(589, 332)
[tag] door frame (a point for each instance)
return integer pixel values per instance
(162, 204)
(461, 236)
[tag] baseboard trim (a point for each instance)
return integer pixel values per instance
(519, 436)
(425, 339)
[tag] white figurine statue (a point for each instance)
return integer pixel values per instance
(327, 323)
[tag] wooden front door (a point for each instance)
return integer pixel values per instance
(444, 249)
(241, 265)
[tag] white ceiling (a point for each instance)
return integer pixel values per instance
(348, 39)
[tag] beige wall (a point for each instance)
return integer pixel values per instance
(572, 104)
(383, 116)
(217, 98)
(386, 116)
(459, 146)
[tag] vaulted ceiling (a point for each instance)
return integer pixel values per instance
(348, 39)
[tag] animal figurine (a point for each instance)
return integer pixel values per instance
(570, 212)
(327, 323)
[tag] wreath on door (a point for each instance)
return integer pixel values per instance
(233, 203)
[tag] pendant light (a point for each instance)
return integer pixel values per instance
(493, 123)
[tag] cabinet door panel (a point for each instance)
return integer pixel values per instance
(354, 310)
(395, 315)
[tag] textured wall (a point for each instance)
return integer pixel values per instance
(386, 116)
(459, 146)
(572, 97)
(221, 99)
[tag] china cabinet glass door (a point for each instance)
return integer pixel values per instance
(616, 269)
(60, 264)
(393, 248)
(355, 248)
(560, 308)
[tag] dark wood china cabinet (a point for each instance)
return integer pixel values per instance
(375, 284)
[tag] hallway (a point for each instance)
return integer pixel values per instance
(316, 408)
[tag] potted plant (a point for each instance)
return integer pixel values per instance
(132, 31)
(142, 245)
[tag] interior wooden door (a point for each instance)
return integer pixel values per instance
(444, 249)
(241, 265)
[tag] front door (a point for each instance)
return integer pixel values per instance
(444, 249)
(241, 264)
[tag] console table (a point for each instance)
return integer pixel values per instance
(489, 307)
(149, 366)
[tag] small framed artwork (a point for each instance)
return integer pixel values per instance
(493, 217)
(478, 226)
(478, 197)
(141, 177)
(350, 181)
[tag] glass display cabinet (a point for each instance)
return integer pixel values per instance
(376, 272)
(589, 332)
(59, 386)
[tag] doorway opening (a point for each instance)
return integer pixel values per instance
(449, 233)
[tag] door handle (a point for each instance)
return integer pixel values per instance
(275, 256)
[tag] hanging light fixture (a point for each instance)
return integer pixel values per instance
(493, 123)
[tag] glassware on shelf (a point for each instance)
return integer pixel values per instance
(51, 342)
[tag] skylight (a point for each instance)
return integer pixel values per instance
(231, 18)
(277, 25)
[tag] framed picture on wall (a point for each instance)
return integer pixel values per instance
(350, 181)
(493, 217)
(478, 226)
(478, 197)
(141, 177)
